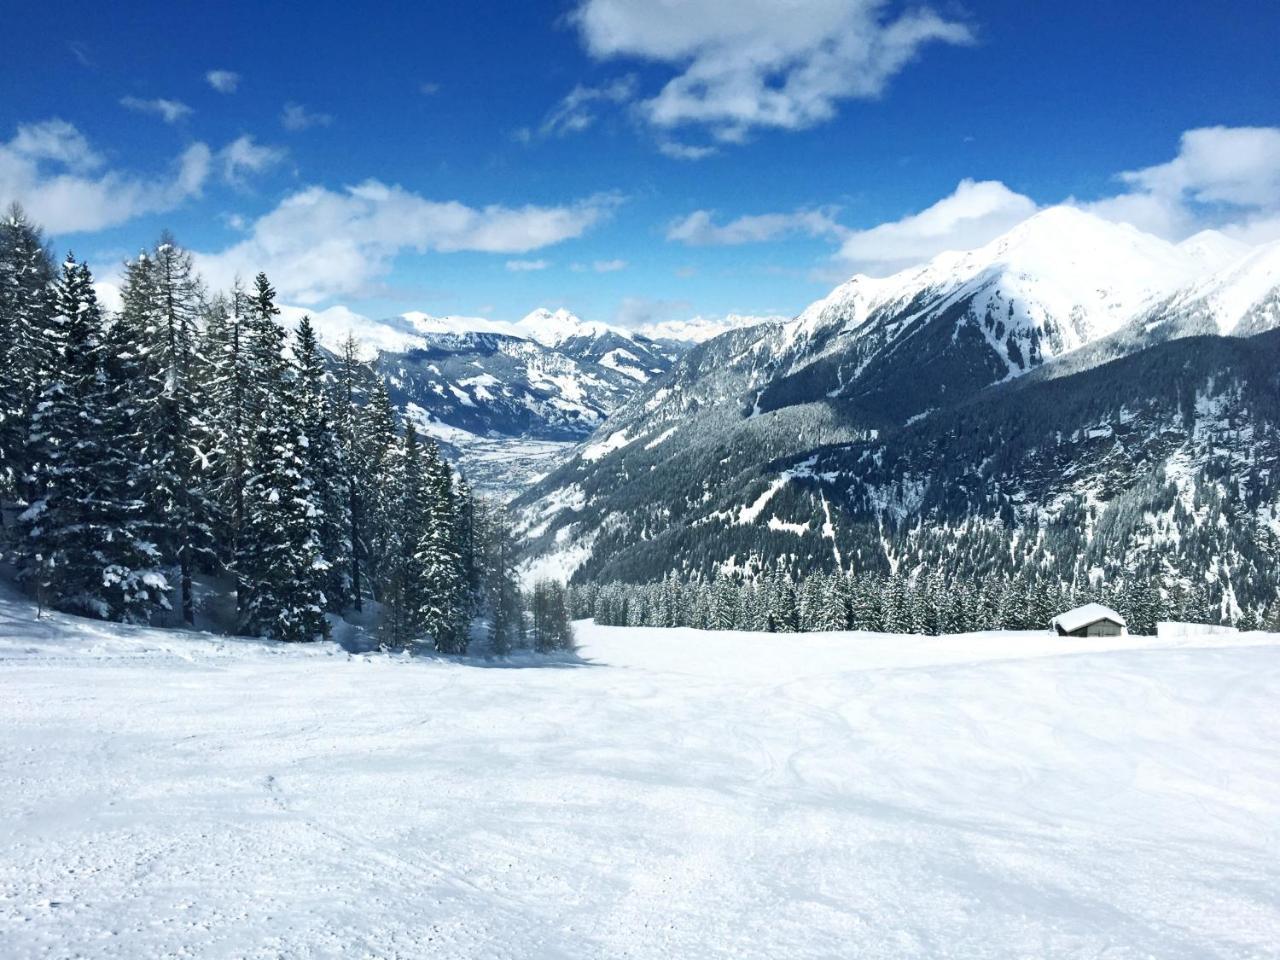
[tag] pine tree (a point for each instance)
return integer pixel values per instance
(401, 586)
(85, 547)
(379, 482)
(162, 297)
(348, 422)
(326, 469)
(552, 631)
(229, 391)
(443, 608)
(280, 561)
(506, 622)
(26, 275)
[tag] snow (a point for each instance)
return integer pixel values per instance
(596, 451)
(1232, 293)
(662, 438)
(624, 362)
(673, 794)
(1063, 277)
(701, 328)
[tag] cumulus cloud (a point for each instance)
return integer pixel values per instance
(51, 169)
(975, 213)
(527, 266)
(1228, 177)
(609, 266)
(245, 156)
(319, 243)
(747, 64)
(699, 229)
(224, 81)
(296, 117)
(579, 108)
(170, 111)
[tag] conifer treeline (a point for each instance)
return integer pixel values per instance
(893, 604)
(194, 435)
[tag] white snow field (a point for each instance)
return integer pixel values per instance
(677, 795)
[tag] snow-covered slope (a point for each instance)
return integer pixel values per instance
(1059, 280)
(1241, 298)
(677, 794)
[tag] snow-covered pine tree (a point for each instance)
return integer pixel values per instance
(326, 468)
(506, 619)
(400, 584)
(86, 547)
(162, 298)
(348, 419)
(443, 609)
(229, 391)
(26, 273)
(280, 560)
(378, 482)
(726, 609)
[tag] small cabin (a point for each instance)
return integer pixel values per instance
(1091, 620)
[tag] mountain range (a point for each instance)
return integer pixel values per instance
(510, 400)
(1073, 395)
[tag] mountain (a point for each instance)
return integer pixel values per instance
(508, 400)
(631, 354)
(864, 432)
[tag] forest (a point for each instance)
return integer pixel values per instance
(192, 439)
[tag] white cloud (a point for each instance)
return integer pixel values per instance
(1234, 165)
(57, 141)
(1227, 177)
(975, 213)
(699, 228)
(745, 64)
(527, 266)
(53, 172)
(296, 117)
(170, 111)
(577, 111)
(224, 81)
(639, 312)
(243, 156)
(685, 151)
(429, 89)
(609, 266)
(319, 243)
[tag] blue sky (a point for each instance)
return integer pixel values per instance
(628, 159)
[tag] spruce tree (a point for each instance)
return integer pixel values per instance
(326, 469)
(86, 547)
(443, 608)
(280, 562)
(26, 365)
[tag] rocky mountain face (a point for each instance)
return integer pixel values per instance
(1035, 402)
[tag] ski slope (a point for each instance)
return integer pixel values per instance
(673, 794)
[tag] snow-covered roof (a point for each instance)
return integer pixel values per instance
(1081, 617)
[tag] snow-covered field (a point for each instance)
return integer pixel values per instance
(676, 795)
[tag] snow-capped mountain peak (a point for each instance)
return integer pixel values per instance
(552, 328)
